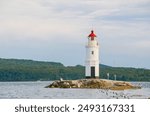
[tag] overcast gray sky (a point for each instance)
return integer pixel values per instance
(57, 30)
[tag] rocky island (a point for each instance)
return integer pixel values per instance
(93, 84)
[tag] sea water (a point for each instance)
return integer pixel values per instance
(37, 90)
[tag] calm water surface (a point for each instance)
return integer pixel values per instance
(36, 90)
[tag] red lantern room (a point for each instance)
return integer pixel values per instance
(92, 35)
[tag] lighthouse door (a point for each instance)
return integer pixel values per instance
(92, 71)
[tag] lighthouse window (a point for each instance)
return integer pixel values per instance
(92, 52)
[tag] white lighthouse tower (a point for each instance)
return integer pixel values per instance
(92, 57)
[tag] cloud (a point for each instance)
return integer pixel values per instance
(120, 25)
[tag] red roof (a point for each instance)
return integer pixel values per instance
(92, 35)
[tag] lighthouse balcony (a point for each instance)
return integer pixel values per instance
(92, 43)
(92, 63)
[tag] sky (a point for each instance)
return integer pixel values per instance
(57, 30)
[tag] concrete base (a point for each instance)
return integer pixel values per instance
(89, 77)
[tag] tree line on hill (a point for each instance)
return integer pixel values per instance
(29, 70)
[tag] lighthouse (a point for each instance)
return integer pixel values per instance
(92, 57)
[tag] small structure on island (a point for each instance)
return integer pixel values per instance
(92, 57)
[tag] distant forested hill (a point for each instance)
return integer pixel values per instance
(29, 70)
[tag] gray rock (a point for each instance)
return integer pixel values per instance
(92, 83)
